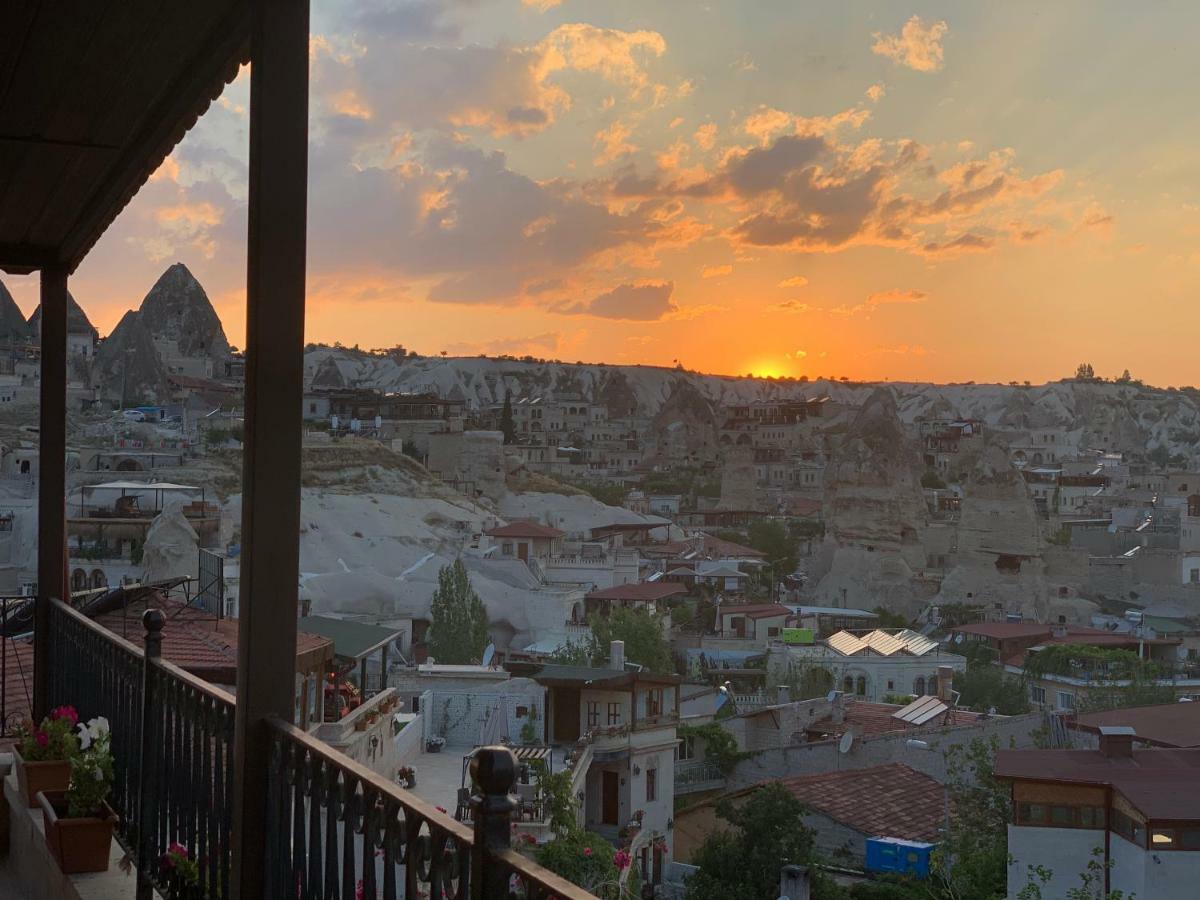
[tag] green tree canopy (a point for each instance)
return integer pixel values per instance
(458, 627)
(743, 861)
(645, 643)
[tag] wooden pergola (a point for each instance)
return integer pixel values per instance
(94, 95)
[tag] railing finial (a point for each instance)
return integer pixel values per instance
(494, 772)
(153, 621)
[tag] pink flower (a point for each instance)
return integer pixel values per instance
(178, 850)
(441, 809)
(621, 860)
(65, 712)
(359, 891)
(587, 851)
(43, 739)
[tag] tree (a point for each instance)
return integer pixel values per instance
(1084, 372)
(458, 623)
(506, 420)
(889, 618)
(971, 861)
(772, 538)
(984, 686)
(742, 862)
(642, 633)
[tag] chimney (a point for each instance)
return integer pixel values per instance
(945, 680)
(616, 655)
(1116, 741)
(783, 694)
(837, 711)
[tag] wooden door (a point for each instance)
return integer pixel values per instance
(609, 798)
(566, 715)
(523, 552)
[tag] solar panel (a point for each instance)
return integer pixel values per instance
(846, 643)
(921, 710)
(884, 643)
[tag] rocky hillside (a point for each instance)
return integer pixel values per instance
(13, 328)
(1129, 416)
(127, 367)
(177, 309)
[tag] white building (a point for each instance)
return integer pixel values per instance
(873, 665)
(1133, 811)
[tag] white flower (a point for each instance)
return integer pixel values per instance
(85, 736)
(98, 727)
(99, 774)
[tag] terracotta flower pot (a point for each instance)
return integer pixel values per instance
(360, 724)
(32, 777)
(77, 845)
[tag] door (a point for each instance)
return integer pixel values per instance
(523, 552)
(609, 800)
(566, 715)
(739, 626)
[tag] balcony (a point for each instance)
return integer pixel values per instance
(333, 826)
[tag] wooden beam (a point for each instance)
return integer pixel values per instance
(275, 268)
(52, 480)
(20, 259)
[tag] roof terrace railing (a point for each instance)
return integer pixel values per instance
(337, 830)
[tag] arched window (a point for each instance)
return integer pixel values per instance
(98, 579)
(919, 686)
(79, 580)
(933, 688)
(862, 686)
(848, 685)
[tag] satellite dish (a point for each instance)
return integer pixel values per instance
(958, 638)
(488, 654)
(846, 742)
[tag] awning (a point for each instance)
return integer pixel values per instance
(352, 640)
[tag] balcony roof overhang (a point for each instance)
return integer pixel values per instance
(93, 98)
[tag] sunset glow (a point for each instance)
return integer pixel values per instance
(887, 188)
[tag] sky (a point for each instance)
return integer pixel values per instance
(932, 191)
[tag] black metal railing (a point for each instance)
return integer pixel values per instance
(341, 832)
(172, 743)
(337, 830)
(16, 701)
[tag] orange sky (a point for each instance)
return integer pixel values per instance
(933, 192)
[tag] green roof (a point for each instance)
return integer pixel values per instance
(350, 639)
(1166, 626)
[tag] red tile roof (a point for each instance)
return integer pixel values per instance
(198, 642)
(1165, 725)
(646, 591)
(883, 801)
(523, 529)
(715, 546)
(876, 718)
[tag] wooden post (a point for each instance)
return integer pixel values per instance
(275, 268)
(52, 477)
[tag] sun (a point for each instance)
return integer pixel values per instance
(768, 369)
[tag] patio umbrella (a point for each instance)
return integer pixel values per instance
(495, 727)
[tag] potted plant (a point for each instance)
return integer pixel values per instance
(435, 744)
(78, 821)
(360, 724)
(407, 776)
(179, 872)
(42, 754)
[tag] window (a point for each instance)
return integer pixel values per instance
(651, 785)
(614, 714)
(1194, 576)
(506, 549)
(654, 702)
(1065, 700)
(1163, 839)
(1037, 694)
(772, 631)
(1128, 828)
(1031, 814)
(919, 686)
(891, 685)
(593, 713)
(686, 748)
(861, 686)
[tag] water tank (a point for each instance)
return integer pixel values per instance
(898, 856)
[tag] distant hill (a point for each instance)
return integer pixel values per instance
(1127, 416)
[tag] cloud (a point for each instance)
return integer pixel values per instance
(546, 344)
(647, 302)
(794, 281)
(1096, 218)
(764, 123)
(895, 296)
(964, 243)
(542, 5)
(918, 46)
(612, 143)
(876, 92)
(793, 306)
(796, 354)
(706, 135)
(715, 271)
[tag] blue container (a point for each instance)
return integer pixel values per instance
(898, 856)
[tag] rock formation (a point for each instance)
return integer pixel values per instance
(128, 367)
(13, 327)
(177, 310)
(77, 320)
